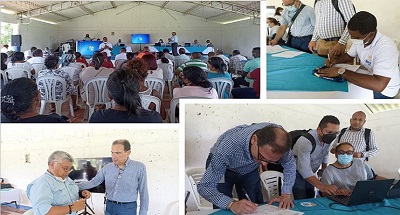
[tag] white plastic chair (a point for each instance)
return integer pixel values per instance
(29, 212)
(97, 87)
(174, 104)
(222, 85)
(78, 65)
(155, 84)
(38, 67)
(49, 83)
(118, 63)
(4, 75)
(172, 208)
(147, 100)
(195, 175)
(239, 66)
(270, 181)
(18, 72)
(398, 171)
(168, 71)
(72, 71)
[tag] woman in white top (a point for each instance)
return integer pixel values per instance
(18, 60)
(153, 70)
(196, 84)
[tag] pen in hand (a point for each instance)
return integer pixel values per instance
(247, 195)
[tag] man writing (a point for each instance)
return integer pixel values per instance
(234, 161)
(377, 53)
(124, 180)
(54, 192)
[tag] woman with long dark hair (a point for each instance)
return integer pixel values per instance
(18, 60)
(20, 99)
(123, 89)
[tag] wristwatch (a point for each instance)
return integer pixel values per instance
(341, 71)
(230, 205)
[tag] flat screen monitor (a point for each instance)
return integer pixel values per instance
(87, 48)
(140, 38)
(84, 169)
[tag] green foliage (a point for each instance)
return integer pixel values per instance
(6, 32)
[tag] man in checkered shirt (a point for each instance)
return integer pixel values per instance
(234, 160)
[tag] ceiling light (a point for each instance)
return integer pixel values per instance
(235, 20)
(6, 11)
(45, 21)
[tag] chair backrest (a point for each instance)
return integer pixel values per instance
(96, 88)
(270, 181)
(38, 67)
(18, 72)
(195, 175)
(80, 64)
(147, 100)
(72, 71)
(50, 85)
(222, 86)
(174, 104)
(29, 212)
(118, 63)
(398, 171)
(4, 75)
(155, 84)
(239, 66)
(168, 71)
(172, 208)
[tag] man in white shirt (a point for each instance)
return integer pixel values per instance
(119, 43)
(174, 38)
(377, 53)
(220, 54)
(174, 43)
(121, 55)
(234, 60)
(28, 53)
(37, 57)
(168, 55)
(106, 47)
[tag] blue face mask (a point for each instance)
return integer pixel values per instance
(291, 8)
(345, 159)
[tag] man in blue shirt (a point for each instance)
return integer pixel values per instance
(234, 160)
(54, 192)
(124, 180)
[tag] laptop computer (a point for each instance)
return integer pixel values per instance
(394, 192)
(187, 44)
(6, 186)
(370, 191)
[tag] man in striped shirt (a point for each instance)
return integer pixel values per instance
(234, 160)
(195, 61)
(330, 32)
(355, 135)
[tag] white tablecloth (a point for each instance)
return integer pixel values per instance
(10, 195)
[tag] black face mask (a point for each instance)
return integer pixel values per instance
(328, 138)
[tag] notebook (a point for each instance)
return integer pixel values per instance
(370, 191)
(394, 192)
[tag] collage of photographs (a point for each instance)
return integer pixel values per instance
(281, 107)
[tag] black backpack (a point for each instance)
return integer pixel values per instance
(296, 134)
(336, 6)
(367, 136)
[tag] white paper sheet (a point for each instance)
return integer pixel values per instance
(347, 66)
(275, 49)
(288, 54)
(274, 210)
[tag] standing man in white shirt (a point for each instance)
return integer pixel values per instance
(106, 47)
(174, 44)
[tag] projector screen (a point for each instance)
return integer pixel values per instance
(140, 38)
(87, 48)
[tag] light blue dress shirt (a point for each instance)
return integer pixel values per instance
(231, 151)
(48, 191)
(123, 185)
(303, 24)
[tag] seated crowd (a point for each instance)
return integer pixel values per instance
(184, 75)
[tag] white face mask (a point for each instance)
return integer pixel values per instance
(359, 41)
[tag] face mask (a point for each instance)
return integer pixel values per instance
(291, 8)
(359, 41)
(328, 138)
(345, 159)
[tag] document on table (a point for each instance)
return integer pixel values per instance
(348, 66)
(274, 210)
(288, 54)
(275, 49)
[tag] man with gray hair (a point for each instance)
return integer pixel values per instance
(54, 192)
(124, 180)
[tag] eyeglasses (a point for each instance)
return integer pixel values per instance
(120, 173)
(341, 152)
(261, 158)
(66, 169)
